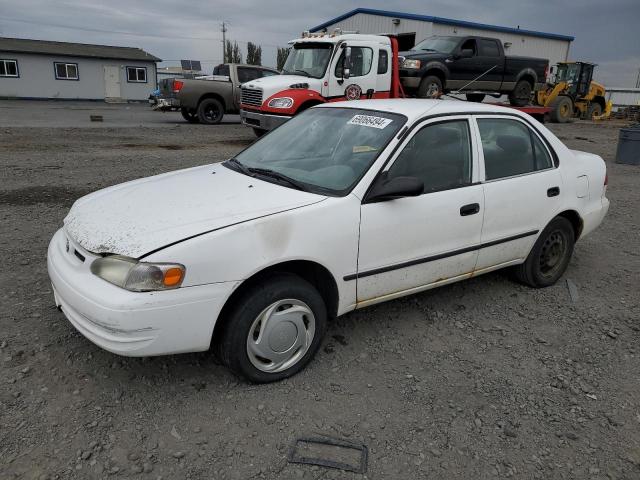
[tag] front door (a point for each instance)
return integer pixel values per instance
(112, 81)
(363, 74)
(410, 244)
(522, 189)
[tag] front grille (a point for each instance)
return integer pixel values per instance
(251, 96)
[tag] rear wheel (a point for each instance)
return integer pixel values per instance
(594, 110)
(561, 109)
(210, 111)
(521, 94)
(189, 115)
(274, 330)
(475, 97)
(550, 255)
(430, 87)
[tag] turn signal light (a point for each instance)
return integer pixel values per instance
(177, 86)
(172, 277)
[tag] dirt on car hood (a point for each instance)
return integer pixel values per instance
(141, 216)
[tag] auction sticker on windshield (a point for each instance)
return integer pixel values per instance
(370, 121)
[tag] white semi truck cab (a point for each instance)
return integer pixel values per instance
(322, 68)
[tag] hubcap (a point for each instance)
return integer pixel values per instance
(281, 335)
(433, 90)
(212, 113)
(552, 253)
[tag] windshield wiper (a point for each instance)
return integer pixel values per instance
(428, 49)
(278, 176)
(237, 165)
(303, 71)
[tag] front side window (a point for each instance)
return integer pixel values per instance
(470, 44)
(309, 59)
(361, 59)
(439, 155)
(326, 149)
(511, 148)
(8, 68)
(137, 74)
(66, 71)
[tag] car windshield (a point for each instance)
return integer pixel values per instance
(437, 44)
(310, 59)
(327, 150)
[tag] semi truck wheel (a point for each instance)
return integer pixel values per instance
(521, 94)
(210, 111)
(430, 87)
(189, 115)
(561, 109)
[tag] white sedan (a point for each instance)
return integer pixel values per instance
(346, 205)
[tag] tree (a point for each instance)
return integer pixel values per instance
(281, 57)
(228, 52)
(237, 54)
(257, 56)
(254, 54)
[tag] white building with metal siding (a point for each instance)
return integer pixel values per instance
(415, 28)
(61, 70)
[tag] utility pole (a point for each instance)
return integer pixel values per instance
(224, 43)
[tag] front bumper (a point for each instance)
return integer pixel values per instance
(131, 323)
(262, 121)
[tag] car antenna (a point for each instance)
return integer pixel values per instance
(457, 92)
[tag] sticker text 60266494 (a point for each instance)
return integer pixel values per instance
(370, 121)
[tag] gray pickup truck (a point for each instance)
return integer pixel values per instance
(206, 99)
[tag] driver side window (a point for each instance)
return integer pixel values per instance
(470, 45)
(361, 59)
(439, 155)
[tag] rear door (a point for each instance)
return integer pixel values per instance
(410, 244)
(522, 188)
(492, 62)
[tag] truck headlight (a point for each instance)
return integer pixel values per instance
(412, 64)
(130, 274)
(282, 102)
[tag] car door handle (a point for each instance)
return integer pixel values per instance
(553, 192)
(470, 209)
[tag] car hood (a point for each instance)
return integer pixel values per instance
(278, 83)
(138, 217)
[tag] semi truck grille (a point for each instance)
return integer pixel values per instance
(251, 96)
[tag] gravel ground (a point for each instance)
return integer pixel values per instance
(481, 379)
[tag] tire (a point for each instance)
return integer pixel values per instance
(210, 111)
(561, 109)
(549, 256)
(248, 351)
(521, 94)
(475, 97)
(259, 132)
(594, 110)
(189, 115)
(430, 87)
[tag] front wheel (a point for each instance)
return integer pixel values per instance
(561, 109)
(210, 111)
(521, 94)
(274, 329)
(549, 256)
(430, 87)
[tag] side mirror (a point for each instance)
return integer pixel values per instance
(466, 53)
(346, 64)
(397, 187)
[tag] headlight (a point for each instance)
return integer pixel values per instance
(130, 274)
(409, 63)
(283, 102)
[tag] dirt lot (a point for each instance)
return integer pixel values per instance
(482, 379)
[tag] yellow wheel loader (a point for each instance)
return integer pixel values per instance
(573, 93)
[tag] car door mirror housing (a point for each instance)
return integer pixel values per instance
(398, 187)
(346, 64)
(466, 53)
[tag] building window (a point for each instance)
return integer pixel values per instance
(9, 68)
(66, 71)
(137, 74)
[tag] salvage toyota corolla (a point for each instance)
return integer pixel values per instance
(346, 205)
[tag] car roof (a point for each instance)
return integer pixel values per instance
(414, 108)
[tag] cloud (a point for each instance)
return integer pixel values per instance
(606, 33)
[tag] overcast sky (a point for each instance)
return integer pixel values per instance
(607, 31)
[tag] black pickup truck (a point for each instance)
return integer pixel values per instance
(449, 64)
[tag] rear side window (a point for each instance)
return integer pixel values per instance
(510, 148)
(383, 62)
(439, 155)
(222, 69)
(246, 74)
(489, 48)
